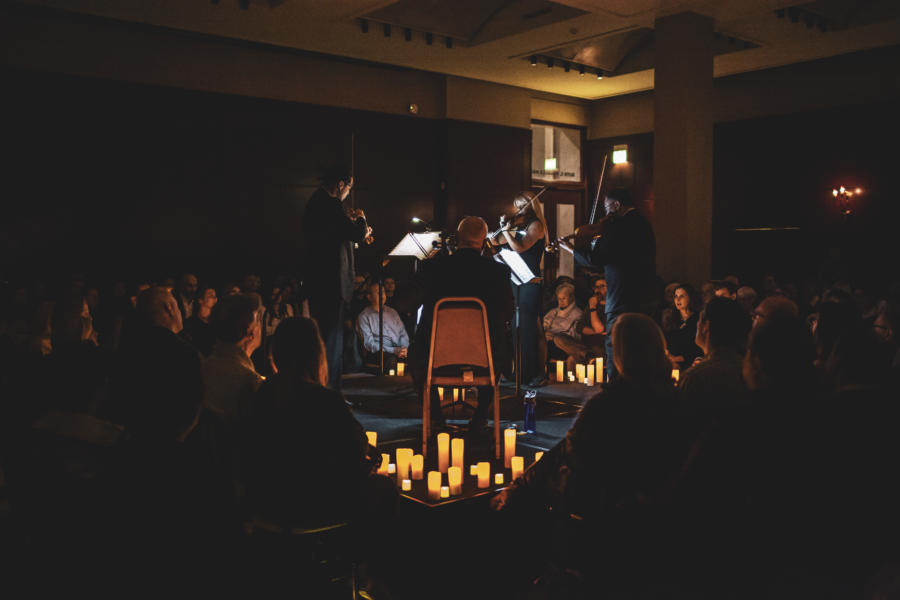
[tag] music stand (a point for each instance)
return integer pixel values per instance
(520, 274)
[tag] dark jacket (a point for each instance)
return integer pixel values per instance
(466, 273)
(627, 252)
(328, 241)
(306, 453)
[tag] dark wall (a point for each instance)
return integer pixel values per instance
(779, 172)
(122, 179)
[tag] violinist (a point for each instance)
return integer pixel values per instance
(329, 233)
(623, 244)
(525, 231)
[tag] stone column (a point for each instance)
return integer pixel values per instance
(683, 147)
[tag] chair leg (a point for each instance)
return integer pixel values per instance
(426, 414)
(496, 420)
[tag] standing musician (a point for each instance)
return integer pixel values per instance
(329, 233)
(622, 243)
(525, 231)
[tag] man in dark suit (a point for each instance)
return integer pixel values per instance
(329, 232)
(465, 273)
(626, 250)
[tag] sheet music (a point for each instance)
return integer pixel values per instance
(521, 273)
(419, 245)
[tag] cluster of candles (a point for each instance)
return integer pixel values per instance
(588, 374)
(451, 452)
(401, 369)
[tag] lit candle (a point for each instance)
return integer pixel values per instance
(455, 395)
(407, 485)
(445, 491)
(473, 469)
(383, 467)
(434, 485)
(537, 456)
(601, 373)
(457, 446)
(392, 468)
(418, 466)
(579, 372)
(559, 370)
(441, 394)
(484, 474)
(404, 459)
(373, 437)
(517, 466)
(509, 445)
(498, 478)
(454, 478)
(676, 374)
(443, 440)
(590, 374)
(391, 372)
(571, 376)
(401, 368)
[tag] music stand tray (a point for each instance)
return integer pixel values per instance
(418, 245)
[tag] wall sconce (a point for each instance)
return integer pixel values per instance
(550, 165)
(843, 195)
(620, 154)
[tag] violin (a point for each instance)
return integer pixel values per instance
(517, 221)
(355, 213)
(583, 235)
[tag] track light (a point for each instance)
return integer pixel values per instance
(533, 60)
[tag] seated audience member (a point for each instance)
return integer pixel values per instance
(593, 330)
(716, 382)
(396, 340)
(186, 295)
(746, 297)
(772, 306)
(667, 311)
(562, 325)
(197, 328)
(707, 292)
(157, 388)
(229, 378)
(680, 341)
(725, 289)
(617, 459)
(296, 417)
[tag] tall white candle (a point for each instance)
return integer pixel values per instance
(443, 441)
(404, 461)
(509, 445)
(560, 376)
(601, 372)
(457, 447)
(590, 374)
(484, 474)
(434, 485)
(383, 468)
(454, 478)
(401, 368)
(418, 466)
(517, 466)
(579, 373)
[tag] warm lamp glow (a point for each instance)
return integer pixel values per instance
(620, 154)
(549, 164)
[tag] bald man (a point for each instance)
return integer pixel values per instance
(465, 273)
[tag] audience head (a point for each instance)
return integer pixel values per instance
(669, 293)
(471, 233)
(707, 292)
(206, 298)
(746, 297)
(157, 306)
(599, 288)
(686, 298)
(617, 201)
(372, 295)
(236, 321)
(723, 325)
(774, 306)
(780, 354)
(390, 286)
(639, 350)
(187, 286)
(565, 295)
(298, 352)
(725, 289)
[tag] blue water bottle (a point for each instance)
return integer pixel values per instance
(529, 403)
